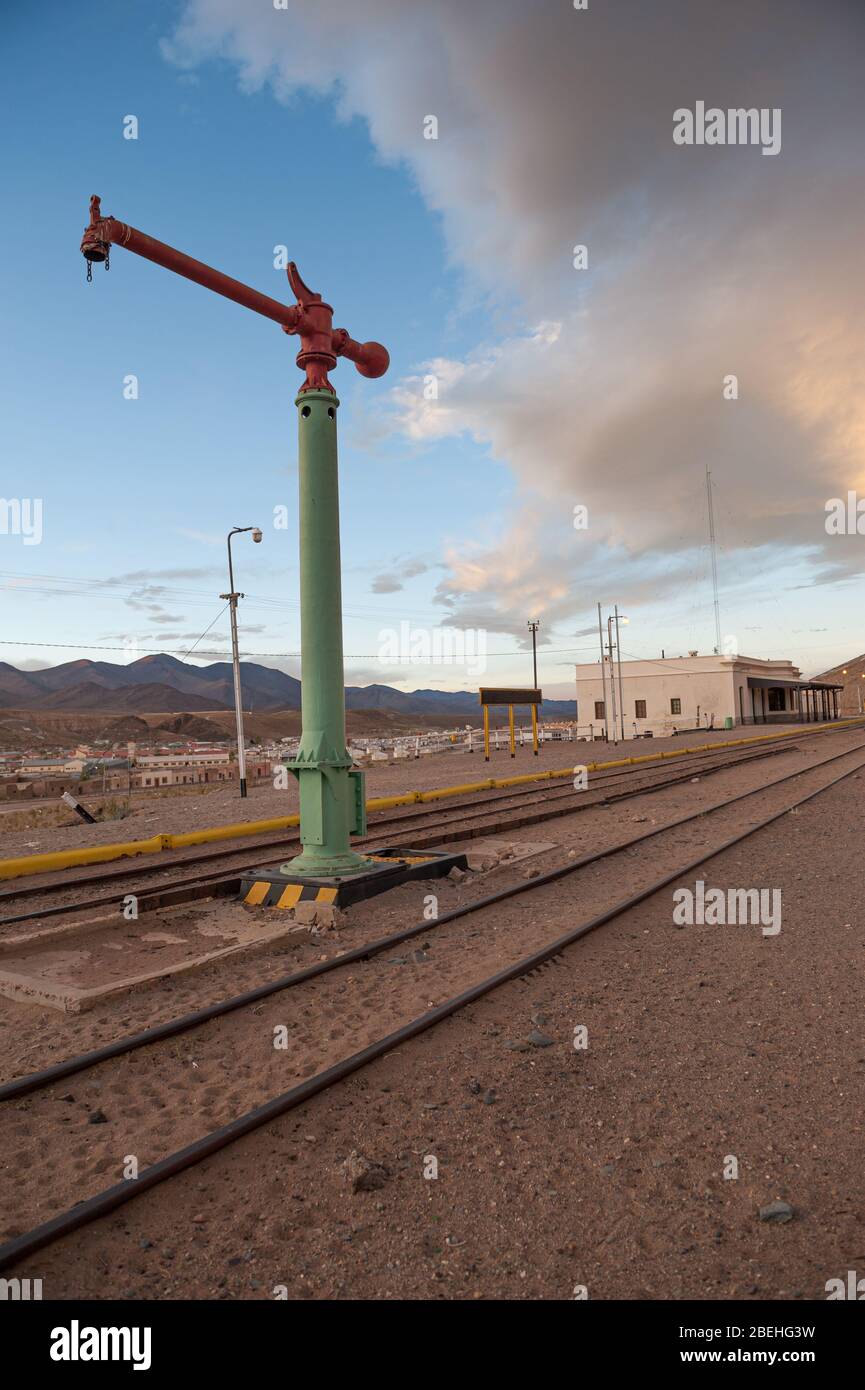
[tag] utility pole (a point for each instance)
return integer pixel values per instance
(603, 676)
(332, 804)
(713, 548)
(534, 624)
(232, 597)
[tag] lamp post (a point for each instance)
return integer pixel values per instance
(612, 679)
(620, 618)
(232, 597)
(618, 716)
(331, 791)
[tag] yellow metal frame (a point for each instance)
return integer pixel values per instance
(103, 854)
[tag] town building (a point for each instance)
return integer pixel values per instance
(671, 694)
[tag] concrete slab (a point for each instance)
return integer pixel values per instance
(494, 851)
(40, 969)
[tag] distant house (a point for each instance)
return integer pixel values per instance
(46, 767)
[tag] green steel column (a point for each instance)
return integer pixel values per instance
(327, 791)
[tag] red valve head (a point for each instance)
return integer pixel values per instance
(373, 360)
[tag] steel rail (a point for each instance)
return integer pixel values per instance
(107, 1201)
(58, 1071)
(165, 865)
(706, 765)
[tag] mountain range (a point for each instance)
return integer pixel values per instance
(163, 684)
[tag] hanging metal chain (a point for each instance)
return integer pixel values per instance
(89, 271)
(108, 257)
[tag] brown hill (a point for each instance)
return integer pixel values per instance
(154, 699)
(850, 674)
(192, 726)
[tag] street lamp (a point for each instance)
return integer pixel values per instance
(617, 618)
(232, 597)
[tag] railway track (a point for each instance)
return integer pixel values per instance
(61, 883)
(102, 1203)
(553, 800)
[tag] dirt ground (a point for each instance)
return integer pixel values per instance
(558, 1168)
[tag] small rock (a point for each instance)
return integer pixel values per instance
(539, 1039)
(362, 1173)
(531, 872)
(398, 960)
(198, 1219)
(69, 1098)
(484, 862)
(779, 1212)
(328, 917)
(475, 1086)
(489, 1097)
(518, 1046)
(419, 957)
(97, 1117)
(457, 875)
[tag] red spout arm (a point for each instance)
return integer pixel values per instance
(311, 318)
(102, 231)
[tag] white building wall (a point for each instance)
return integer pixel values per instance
(706, 687)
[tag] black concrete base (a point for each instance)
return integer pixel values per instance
(268, 887)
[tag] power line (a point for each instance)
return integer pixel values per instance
(349, 656)
(71, 587)
(204, 633)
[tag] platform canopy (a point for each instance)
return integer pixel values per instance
(768, 682)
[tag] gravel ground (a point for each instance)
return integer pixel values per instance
(556, 1168)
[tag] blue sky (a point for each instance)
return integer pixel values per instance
(137, 495)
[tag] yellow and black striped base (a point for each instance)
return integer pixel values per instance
(266, 892)
(271, 888)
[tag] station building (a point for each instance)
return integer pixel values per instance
(670, 694)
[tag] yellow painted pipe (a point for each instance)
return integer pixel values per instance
(103, 854)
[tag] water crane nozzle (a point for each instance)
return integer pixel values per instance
(311, 319)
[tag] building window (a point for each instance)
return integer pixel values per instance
(640, 709)
(675, 706)
(776, 698)
(599, 709)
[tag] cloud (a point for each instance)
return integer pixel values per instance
(604, 387)
(393, 580)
